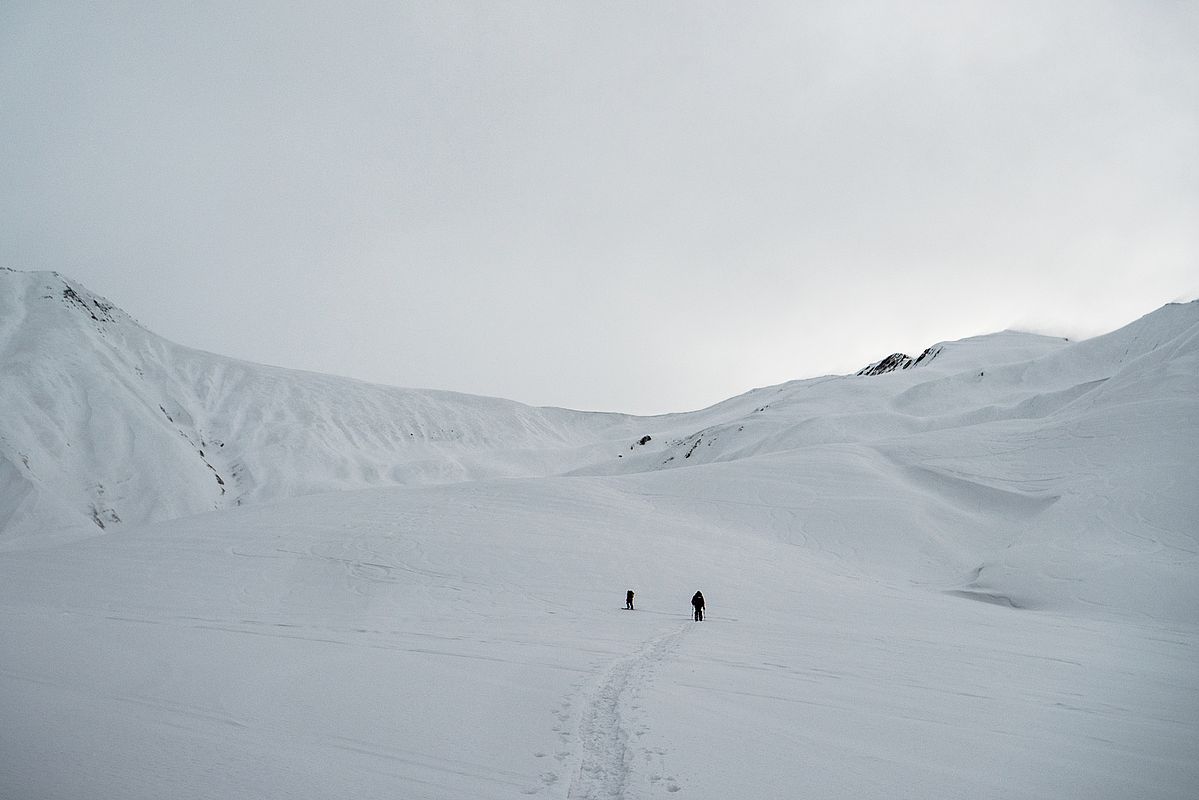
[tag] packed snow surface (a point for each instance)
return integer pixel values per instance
(974, 574)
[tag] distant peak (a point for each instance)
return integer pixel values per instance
(899, 361)
(55, 286)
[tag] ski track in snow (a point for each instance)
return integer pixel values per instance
(608, 726)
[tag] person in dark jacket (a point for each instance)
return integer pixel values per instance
(697, 602)
(628, 600)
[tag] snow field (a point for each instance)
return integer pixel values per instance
(470, 640)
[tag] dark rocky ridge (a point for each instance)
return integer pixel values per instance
(898, 361)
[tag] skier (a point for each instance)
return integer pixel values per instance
(628, 600)
(698, 603)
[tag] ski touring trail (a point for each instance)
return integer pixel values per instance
(607, 724)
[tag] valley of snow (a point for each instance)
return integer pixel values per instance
(977, 576)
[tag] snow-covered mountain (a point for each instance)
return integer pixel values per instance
(102, 422)
(1007, 452)
(222, 579)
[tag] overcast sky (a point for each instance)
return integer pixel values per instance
(641, 207)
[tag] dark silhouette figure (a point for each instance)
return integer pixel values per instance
(628, 600)
(697, 603)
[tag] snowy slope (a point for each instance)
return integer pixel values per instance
(469, 641)
(103, 422)
(401, 593)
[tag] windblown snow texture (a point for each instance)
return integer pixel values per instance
(973, 573)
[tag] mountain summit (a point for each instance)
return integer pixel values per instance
(899, 361)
